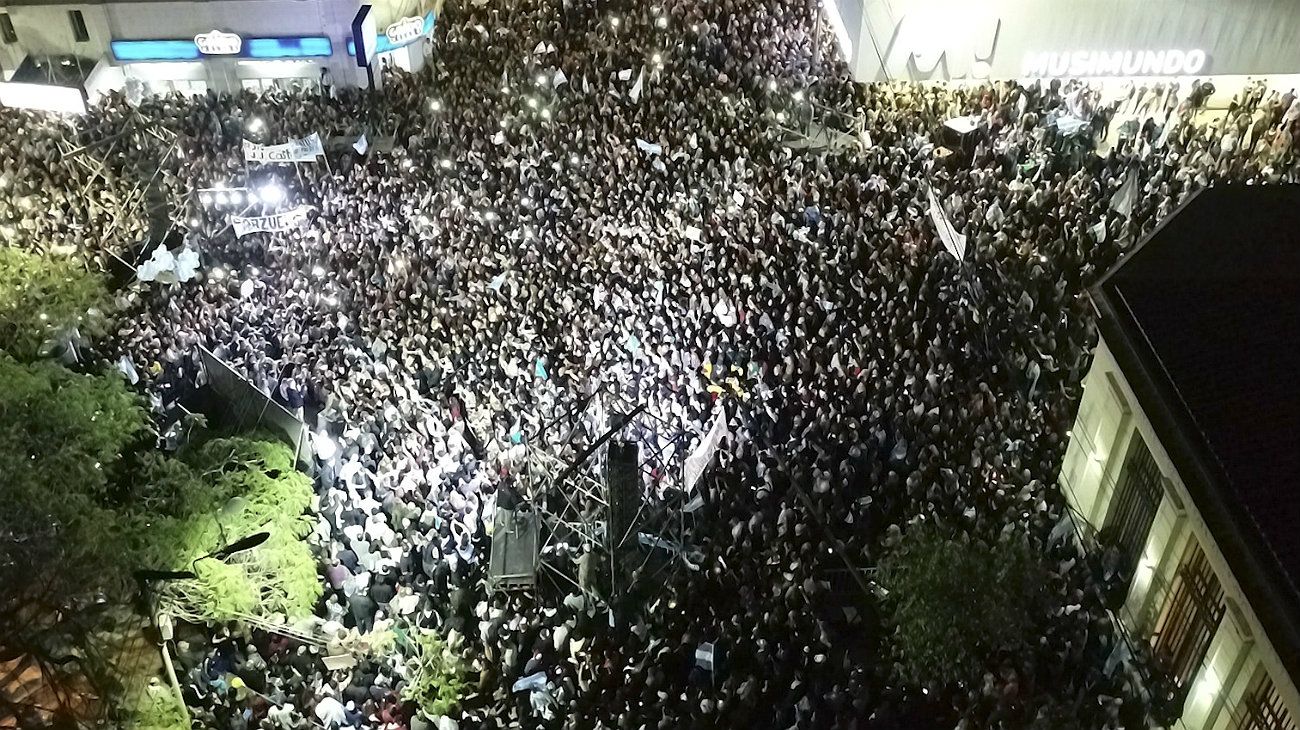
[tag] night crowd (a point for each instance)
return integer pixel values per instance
(575, 199)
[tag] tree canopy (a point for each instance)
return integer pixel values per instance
(42, 295)
(436, 674)
(952, 606)
(88, 502)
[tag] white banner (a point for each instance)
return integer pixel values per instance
(700, 458)
(953, 241)
(306, 149)
(270, 223)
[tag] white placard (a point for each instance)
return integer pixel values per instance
(306, 149)
(270, 223)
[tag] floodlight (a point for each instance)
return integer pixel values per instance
(271, 194)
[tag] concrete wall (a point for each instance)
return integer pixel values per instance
(1108, 419)
(952, 39)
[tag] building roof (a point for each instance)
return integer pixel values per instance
(1207, 311)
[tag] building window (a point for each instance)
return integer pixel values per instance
(1261, 708)
(1133, 509)
(1191, 615)
(7, 32)
(78, 23)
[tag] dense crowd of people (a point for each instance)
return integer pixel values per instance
(608, 208)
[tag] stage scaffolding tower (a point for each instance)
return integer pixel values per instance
(604, 477)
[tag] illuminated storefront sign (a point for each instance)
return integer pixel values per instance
(405, 30)
(1170, 62)
(216, 43)
(135, 51)
(400, 34)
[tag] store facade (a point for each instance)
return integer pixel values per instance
(224, 45)
(922, 40)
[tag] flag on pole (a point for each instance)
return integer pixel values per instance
(1124, 198)
(704, 654)
(361, 145)
(954, 242)
(635, 93)
(702, 456)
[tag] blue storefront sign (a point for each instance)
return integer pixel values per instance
(163, 49)
(400, 34)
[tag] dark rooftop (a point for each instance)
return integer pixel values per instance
(1209, 306)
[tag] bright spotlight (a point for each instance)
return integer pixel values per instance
(798, 96)
(546, 114)
(656, 59)
(445, 164)
(222, 199)
(532, 103)
(317, 271)
(540, 80)
(614, 21)
(661, 21)
(271, 194)
(255, 124)
(435, 105)
(217, 273)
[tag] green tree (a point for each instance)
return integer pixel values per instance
(250, 486)
(41, 295)
(953, 605)
(62, 545)
(88, 502)
(436, 673)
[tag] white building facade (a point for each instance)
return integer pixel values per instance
(944, 40)
(160, 46)
(1182, 468)
(1182, 599)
